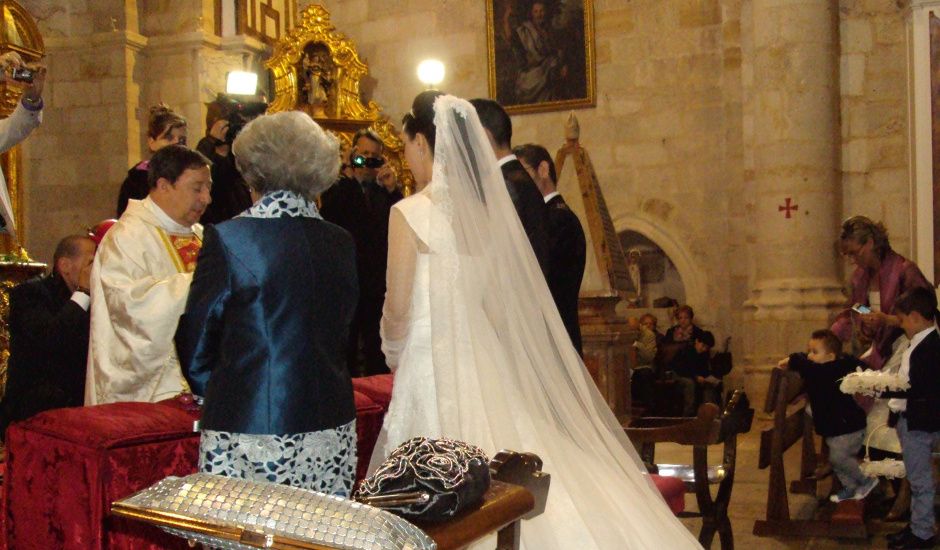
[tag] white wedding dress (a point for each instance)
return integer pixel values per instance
(481, 355)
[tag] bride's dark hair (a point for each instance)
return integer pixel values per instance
(420, 120)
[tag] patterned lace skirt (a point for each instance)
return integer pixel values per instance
(323, 461)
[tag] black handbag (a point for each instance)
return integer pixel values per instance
(721, 362)
(428, 479)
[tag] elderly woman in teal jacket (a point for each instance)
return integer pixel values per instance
(264, 331)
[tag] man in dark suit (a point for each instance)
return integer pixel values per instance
(522, 190)
(49, 335)
(567, 247)
(360, 203)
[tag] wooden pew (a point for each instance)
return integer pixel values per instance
(709, 427)
(786, 389)
(519, 490)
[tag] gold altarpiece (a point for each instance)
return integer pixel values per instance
(317, 70)
(18, 33)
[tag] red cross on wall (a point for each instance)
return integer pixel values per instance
(788, 207)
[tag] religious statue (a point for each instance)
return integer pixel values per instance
(317, 70)
(633, 269)
(317, 74)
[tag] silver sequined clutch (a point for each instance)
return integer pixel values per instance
(230, 513)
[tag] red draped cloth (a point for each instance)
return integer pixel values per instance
(65, 467)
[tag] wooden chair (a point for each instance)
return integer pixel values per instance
(709, 427)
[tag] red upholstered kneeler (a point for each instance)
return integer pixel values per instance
(369, 417)
(377, 388)
(65, 467)
(673, 491)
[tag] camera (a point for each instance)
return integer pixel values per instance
(359, 161)
(22, 74)
(242, 112)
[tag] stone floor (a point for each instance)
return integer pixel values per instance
(749, 499)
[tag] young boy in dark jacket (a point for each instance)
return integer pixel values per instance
(691, 366)
(836, 416)
(917, 411)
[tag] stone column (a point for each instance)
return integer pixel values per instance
(187, 64)
(89, 136)
(794, 197)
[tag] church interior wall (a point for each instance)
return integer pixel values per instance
(90, 122)
(656, 136)
(875, 152)
(108, 63)
(668, 136)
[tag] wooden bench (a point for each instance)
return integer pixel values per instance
(519, 490)
(709, 427)
(847, 520)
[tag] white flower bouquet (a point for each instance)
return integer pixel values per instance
(873, 382)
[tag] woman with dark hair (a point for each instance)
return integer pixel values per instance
(264, 332)
(163, 128)
(502, 372)
(880, 276)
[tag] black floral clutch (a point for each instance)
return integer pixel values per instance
(428, 479)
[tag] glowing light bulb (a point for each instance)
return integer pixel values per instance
(241, 83)
(431, 72)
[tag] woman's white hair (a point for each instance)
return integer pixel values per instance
(287, 151)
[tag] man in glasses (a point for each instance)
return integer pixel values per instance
(360, 202)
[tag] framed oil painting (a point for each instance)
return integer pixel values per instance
(540, 54)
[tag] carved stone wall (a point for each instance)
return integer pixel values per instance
(674, 136)
(675, 133)
(108, 63)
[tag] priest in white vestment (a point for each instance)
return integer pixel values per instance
(140, 281)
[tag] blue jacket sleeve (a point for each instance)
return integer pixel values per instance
(199, 332)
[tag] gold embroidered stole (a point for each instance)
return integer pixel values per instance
(183, 250)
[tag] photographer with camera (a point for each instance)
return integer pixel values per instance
(26, 116)
(229, 193)
(360, 202)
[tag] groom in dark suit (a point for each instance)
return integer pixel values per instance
(360, 203)
(567, 247)
(49, 335)
(525, 196)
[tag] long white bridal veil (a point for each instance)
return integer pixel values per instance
(516, 381)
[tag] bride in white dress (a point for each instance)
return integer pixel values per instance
(480, 352)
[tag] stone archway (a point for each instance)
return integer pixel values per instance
(691, 274)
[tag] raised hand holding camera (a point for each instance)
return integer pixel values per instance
(387, 177)
(11, 61)
(15, 69)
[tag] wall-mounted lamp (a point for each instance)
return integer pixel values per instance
(431, 73)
